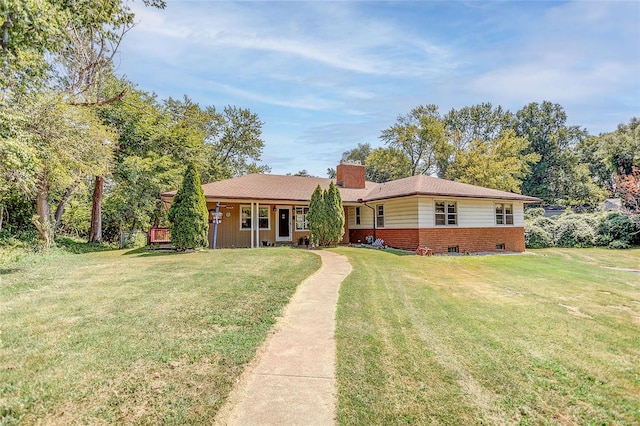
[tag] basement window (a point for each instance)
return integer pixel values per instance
(500, 246)
(453, 249)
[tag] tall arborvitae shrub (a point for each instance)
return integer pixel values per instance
(335, 215)
(316, 217)
(188, 214)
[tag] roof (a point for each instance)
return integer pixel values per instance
(299, 188)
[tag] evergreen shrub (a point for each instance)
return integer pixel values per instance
(188, 213)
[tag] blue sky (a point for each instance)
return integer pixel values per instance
(325, 76)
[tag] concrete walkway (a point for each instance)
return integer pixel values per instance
(292, 380)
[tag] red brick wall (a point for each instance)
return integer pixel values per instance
(470, 240)
(350, 175)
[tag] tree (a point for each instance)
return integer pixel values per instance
(420, 135)
(72, 41)
(316, 217)
(188, 213)
(386, 164)
(498, 164)
(553, 178)
(66, 144)
(334, 212)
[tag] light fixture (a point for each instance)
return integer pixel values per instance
(274, 208)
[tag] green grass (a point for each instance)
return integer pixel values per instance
(131, 337)
(551, 337)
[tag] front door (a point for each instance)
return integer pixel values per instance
(284, 224)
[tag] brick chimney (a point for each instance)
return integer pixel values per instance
(350, 175)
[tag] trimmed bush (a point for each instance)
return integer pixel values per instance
(534, 213)
(543, 222)
(619, 244)
(573, 230)
(537, 237)
(616, 227)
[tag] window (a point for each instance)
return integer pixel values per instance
(357, 215)
(380, 216)
(500, 246)
(446, 213)
(263, 217)
(301, 218)
(453, 249)
(504, 214)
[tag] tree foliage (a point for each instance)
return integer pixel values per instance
(326, 216)
(188, 213)
(334, 214)
(317, 217)
(498, 163)
(421, 136)
(386, 164)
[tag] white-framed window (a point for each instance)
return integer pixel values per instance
(504, 214)
(357, 215)
(301, 218)
(380, 216)
(263, 217)
(446, 213)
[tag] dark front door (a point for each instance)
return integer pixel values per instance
(284, 233)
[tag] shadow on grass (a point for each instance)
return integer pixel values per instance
(80, 247)
(7, 271)
(145, 251)
(389, 250)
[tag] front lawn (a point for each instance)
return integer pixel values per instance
(131, 337)
(548, 337)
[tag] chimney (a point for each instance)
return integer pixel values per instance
(350, 175)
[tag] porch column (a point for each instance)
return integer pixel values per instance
(252, 225)
(258, 225)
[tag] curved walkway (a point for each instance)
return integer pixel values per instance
(292, 380)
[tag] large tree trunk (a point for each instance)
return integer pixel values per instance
(63, 203)
(95, 230)
(42, 219)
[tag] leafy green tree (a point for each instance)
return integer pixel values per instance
(554, 177)
(317, 217)
(482, 123)
(69, 43)
(334, 212)
(65, 144)
(234, 143)
(497, 164)
(188, 213)
(386, 164)
(420, 135)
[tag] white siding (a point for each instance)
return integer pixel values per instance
(412, 212)
(400, 212)
(366, 218)
(472, 213)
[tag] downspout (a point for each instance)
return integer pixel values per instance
(374, 217)
(215, 226)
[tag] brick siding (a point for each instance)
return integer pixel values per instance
(470, 240)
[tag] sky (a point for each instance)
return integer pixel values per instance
(325, 76)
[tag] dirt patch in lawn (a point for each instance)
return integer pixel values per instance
(575, 311)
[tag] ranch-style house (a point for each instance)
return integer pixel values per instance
(410, 213)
